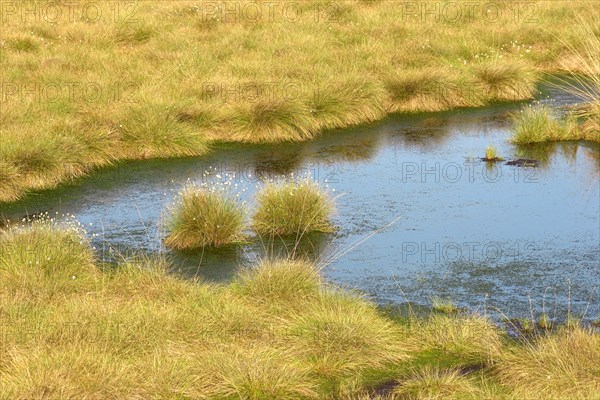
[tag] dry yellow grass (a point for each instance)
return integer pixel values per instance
(564, 365)
(87, 84)
(73, 330)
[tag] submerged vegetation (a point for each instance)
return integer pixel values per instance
(491, 154)
(73, 329)
(444, 306)
(204, 218)
(292, 208)
(167, 79)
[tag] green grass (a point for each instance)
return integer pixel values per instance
(444, 306)
(491, 154)
(280, 283)
(73, 329)
(134, 85)
(539, 124)
(506, 80)
(547, 369)
(292, 208)
(584, 82)
(434, 383)
(204, 218)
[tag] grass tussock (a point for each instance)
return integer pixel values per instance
(444, 305)
(506, 80)
(540, 124)
(433, 89)
(472, 339)
(112, 78)
(343, 345)
(155, 130)
(341, 104)
(9, 182)
(589, 117)
(281, 282)
(271, 120)
(436, 384)
(292, 208)
(44, 260)
(559, 366)
(491, 154)
(583, 65)
(202, 218)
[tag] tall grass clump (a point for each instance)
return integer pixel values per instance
(44, 258)
(470, 339)
(563, 365)
(436, 383)
(9, 186)
(271, 120)
(257, 373)
(539, 124)
(204, 218)
(506, 80)
(428, 90)
(583, 66)
(280, 282)
(445, 306)
(156, 130)
(347, 103)
(343, 336)
(292, 208)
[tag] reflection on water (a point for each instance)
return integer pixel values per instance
(543, 152)
(487, 236)
(220, 265)
(271, 163)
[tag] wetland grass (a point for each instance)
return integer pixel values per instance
(436, 383)
(204, 218)
(444, 306)
(491, 154)
(563, 365)
(278, 331)
(584, 81)
(175, 80)
(292, 208)
(540, 124)
(138, 331)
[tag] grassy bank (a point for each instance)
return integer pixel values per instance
(86, 86)
(73, 329)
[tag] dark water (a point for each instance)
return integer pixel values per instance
(482, 235)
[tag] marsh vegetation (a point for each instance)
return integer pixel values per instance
(165, 79)
(204, 218)
(292, 208)
(278, 331)
(178, 79)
